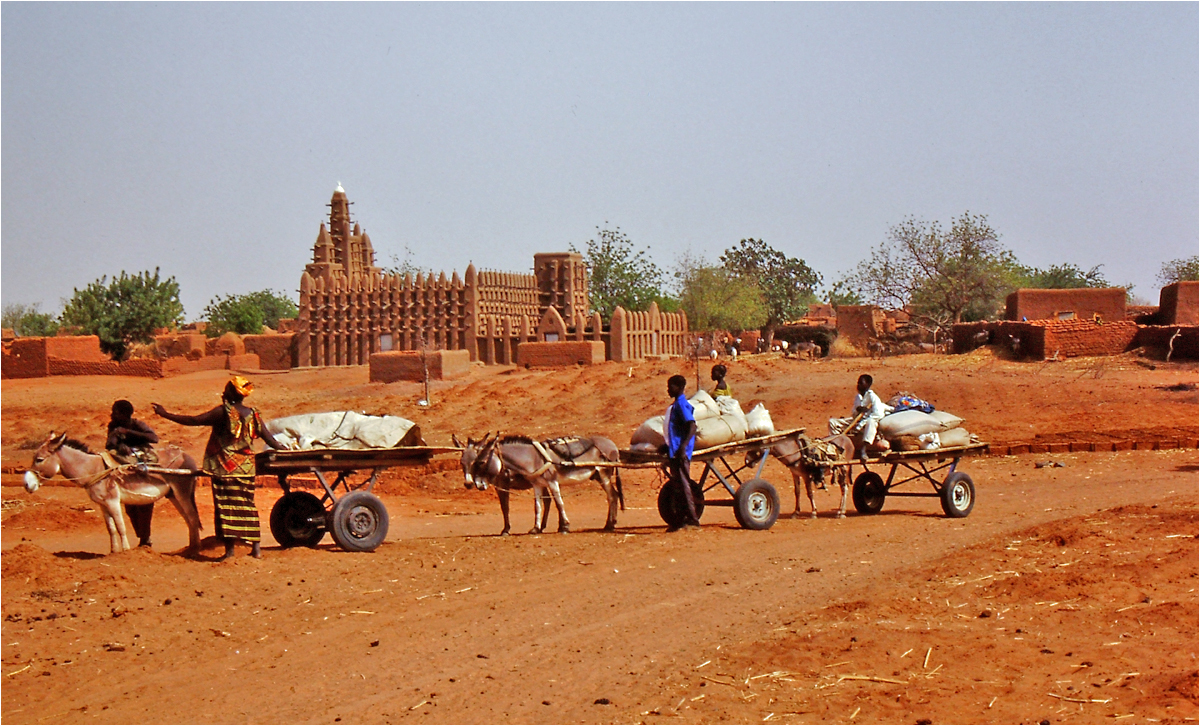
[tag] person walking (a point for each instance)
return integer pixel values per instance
(132, 442)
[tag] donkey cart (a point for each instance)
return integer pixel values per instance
(956, 491)
(754, 500)
(357, 518)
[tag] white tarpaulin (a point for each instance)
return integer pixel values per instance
(339, 430)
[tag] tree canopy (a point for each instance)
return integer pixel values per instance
(945, 275)
(1064, 276)
(29, 322)
(788, 284)
(1185, 268)
(127, 309)
(716, 299)
(247, 314)
(619, 275)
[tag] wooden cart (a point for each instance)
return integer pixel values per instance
(755, 501)
(956, 491)
(356, 518)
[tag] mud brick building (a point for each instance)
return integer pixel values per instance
(350, 309)
(1105, 304)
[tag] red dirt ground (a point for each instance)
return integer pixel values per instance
(1068, 596)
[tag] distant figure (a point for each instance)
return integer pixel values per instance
(718, 376)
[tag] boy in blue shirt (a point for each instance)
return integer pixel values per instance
(681, 440)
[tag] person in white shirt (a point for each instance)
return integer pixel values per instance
(872, 409)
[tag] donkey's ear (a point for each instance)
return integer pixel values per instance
(454, 438)
(56, 442)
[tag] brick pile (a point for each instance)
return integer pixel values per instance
(564, 353)
(1073, 338)
(406, 365)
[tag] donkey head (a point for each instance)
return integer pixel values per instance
(46, 464)
(475, 459)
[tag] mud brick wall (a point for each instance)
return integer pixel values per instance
(634, 335)
(25, 358)
(406, 365)
(1178, 304)
(181, 345)
(178, 366)
(1108, 303)
(275, 352)
(1072, 338)
(1156, 339)
(569, 353)
(243, 362)
(858, 324)
(141, 367)
(75, 347)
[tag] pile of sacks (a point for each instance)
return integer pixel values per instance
(913, 429)
(718, 421)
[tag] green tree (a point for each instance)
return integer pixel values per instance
(620, 275)
(28, 322)
(1062, 277)
(946, 276)
(1181, 270)
(788, 285)
(126, 310)
(247, 314)
(716, 299)
(842, 294)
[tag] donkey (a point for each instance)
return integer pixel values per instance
(517, 463)
(110, 487)
(809, 460)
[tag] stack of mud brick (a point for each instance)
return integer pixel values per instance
(73, 355)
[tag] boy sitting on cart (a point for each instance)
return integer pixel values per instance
(863, 425)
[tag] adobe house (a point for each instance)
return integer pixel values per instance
(1104, 304)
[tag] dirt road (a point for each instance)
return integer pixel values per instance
(1068, 595)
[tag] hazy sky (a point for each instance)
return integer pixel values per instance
(207, 139)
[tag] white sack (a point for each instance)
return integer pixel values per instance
(339, 430)
(955, 437)
(909, 423)
(930, 441)
(704, 406)
(650, 433)
(949, 420)
(729, 406)
(721, 430)
(758, 422)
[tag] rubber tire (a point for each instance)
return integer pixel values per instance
(756, 505)
(868, 493)
(958, 495)
(289, 520)
(674, 511)
(359, 522)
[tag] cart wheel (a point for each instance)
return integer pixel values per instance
(756, 504)
(673, 509)
(359, 522)
(958, 495)
(868, 493)
(292, 520)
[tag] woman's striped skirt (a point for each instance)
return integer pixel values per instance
(235, 515)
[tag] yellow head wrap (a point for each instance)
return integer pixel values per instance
(242, 386)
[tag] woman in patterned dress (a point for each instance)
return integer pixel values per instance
(229, 459)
